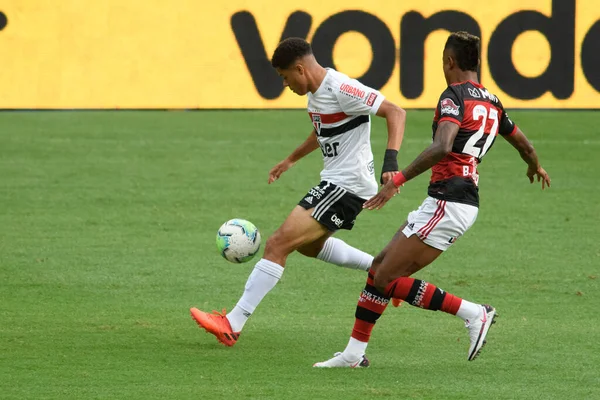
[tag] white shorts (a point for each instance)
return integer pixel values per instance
(439, 223)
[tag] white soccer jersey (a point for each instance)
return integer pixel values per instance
(340, 112)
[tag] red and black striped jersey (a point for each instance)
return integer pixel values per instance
(480, 117)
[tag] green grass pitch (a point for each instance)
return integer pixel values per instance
(107, 237)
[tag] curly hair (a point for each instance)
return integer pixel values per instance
(288, 51)
(466, 49)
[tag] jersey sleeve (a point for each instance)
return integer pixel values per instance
(507, 126)
(451, 107)
(358, 99)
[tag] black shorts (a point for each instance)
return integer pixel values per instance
(334, 207)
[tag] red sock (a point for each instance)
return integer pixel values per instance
(371, 304)
(423, 294)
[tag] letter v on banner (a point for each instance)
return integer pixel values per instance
(265, 78)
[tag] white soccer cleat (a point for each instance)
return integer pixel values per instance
(478, 329)
(339, 361)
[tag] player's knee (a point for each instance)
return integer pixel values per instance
(374, 266)
(310, 250)
(277, 244)
(273, 243)
(381, 281)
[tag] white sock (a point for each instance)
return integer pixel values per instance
(338, 252)
(468, 311)
(355, 349)
(263, 278)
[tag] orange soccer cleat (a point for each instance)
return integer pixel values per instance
(217, 324)
(396, 302)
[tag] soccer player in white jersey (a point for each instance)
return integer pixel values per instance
(340, 109)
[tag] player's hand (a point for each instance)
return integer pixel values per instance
(387, 176)
(279, 169)
(541, 174)
(388, 191)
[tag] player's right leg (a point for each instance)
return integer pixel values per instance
(298, 229)
(382, 253)
(337, 252)
(335, 208)
(371, 305)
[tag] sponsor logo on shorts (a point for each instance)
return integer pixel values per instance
(308, 199)
(317, 192)
(411, 226)
(452, 240)
(448, 106)
(337, 221)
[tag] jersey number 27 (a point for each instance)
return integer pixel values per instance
(481, 112)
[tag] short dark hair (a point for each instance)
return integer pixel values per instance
(288, 51)
(466, 50)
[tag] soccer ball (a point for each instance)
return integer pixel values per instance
(238, 240)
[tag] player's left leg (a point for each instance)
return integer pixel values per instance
(405, 255)
(393, 279)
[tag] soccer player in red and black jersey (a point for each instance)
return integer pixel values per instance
(467, 120)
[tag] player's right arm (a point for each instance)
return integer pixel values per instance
(442, 145)
(520, 142)
(309, 145)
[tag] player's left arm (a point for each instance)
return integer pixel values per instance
(519, 141)
(396, 120)
(442, 145)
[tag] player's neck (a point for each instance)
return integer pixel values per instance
(317, 75)
(464, 76)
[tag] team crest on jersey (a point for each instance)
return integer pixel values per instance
(448, 106)
(316, 120)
